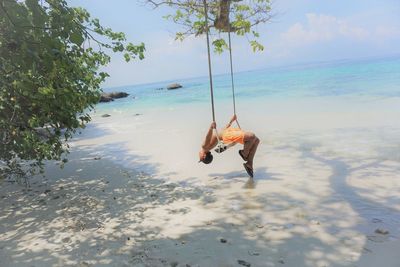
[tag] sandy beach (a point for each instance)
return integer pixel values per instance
(325, 192)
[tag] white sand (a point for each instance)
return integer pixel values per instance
(324, 182)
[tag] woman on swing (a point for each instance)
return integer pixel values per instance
(230, 136)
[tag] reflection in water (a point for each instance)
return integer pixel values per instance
(250, 184)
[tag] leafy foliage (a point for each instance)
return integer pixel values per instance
(50, 55)
(241, 17)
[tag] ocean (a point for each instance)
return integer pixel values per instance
(366, 79)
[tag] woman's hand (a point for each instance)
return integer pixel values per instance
(213, 125)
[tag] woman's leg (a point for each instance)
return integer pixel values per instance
(252, 152)
(249, 139)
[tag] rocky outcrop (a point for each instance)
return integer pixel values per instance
(104, 99)
(108, 97)
(118, 95)
(174, 86)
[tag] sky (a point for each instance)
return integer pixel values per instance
(301, 31)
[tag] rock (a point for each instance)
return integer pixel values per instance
(222, 240)
(116, 95)
(66, 240)
(108, 97)
(174, 86)
(97, 158)
(105, 98)
(244, 263)
(106, 115)
(254, 253)
(381, 231)
(47, 191)
(137, 114)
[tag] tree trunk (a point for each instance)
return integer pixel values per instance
(222, 20)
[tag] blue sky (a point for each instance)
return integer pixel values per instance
(302, 31)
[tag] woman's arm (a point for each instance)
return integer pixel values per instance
(230, 122)
(207, 140)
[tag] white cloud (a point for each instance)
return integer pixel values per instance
(323, 28)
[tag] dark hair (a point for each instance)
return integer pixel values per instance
(208, 159)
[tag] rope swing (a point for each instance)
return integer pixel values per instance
(232, 83)
(223, 26)
(209, 60)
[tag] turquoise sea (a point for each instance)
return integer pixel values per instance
(367, 78)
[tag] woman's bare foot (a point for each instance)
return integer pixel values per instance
(249, 169)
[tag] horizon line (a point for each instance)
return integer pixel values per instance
(275, 67)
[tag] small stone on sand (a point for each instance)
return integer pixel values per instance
(244, 263)
(222, 240)
(66, 240)
(381, 231)
(254, 253)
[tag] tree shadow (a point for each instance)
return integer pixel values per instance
(97, 213)
(367, 209)
(92, 206)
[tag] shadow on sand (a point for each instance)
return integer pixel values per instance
(96, 213)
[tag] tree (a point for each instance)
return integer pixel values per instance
(237, 16)
(50, 55)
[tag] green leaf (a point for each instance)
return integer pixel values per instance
(77, 38)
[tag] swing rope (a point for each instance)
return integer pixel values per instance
(209, 61)
(209, 66)
(210, 72)
(233, 84)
